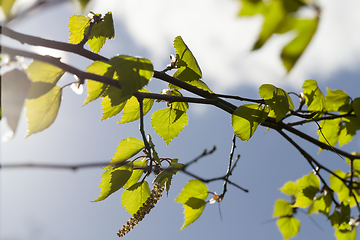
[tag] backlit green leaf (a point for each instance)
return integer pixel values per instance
(246, 119)
(341, 189)
(290, 188)
(112, 180)
(345, 235)
(44, 72)
(193, 197)
(282, 208)
(127, 148)
(136, 174)
(109, 110)
(321, 204)
(308, 186)
(188, 68)
(41, 112)
(337, 100)
(289, 226)
(313, 95)
(97, 89)
(252, 7)
(329, 131)
(100, 32)
(134, 197)
(168, 123)
(275, 15)
(133, 74)
(6, 7)
(306, 28)
(153, 151)
(132, 108)
(77, 26)
(278, 99)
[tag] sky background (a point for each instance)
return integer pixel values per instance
(55, 204)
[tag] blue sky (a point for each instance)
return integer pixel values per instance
(55, 204)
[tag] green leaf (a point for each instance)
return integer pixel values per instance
(44, 72)
(275, 15)
(6, 7)
(97, 89)
(246, 119)
(109, 110)
(134, 197)
(329, 131)
(41, 112)
(337, 101)
(193, 197)
(289, 226)
(133, 74)
(136, 174)
(188, 68)
(168, 123)
(112, 180)
(132, 108)
(278, 99)
(308, 185)
(14, 89)
(127, 148)
(77, 26)
(166, 175)
(290, 188)
(345, 234)
(101, 31)
(313, 96)
(321, 204)
(282, 208)
(252, 7)
(306, 28)
(342, 190)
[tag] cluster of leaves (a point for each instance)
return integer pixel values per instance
(281, 16)
(307, 192)
(337, 115)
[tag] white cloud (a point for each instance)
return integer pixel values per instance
(221, 41)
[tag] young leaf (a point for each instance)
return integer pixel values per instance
(44, 72)
(337, 101)
(112, 180)
(321, 204)
(101, 31)
(133, 74)
(153, 151)
(329, 131)
(345, 234)
(77, 26)
(188, 68)
(308, 185)
(246, 119)
(136, 174)
(313, 95)
(289, 226)
(342, 191)
(168, 123)
(306, 28)
(278, 99)
(97, 89)
(275, 16)
(193, 198)
(290, 188)
(109, 110)
(282, 208)
(132, 108)
(127, 148)
(134, 197)
(41, 112)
